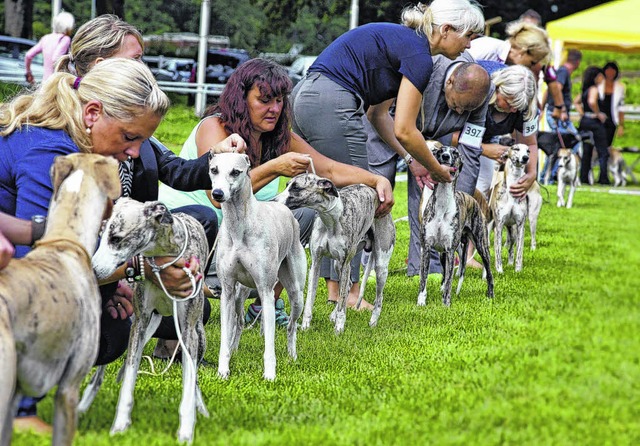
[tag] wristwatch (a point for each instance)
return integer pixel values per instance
(38, 223)
(408, 159)
(559, 107)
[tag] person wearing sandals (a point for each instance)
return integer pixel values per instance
(255, 105)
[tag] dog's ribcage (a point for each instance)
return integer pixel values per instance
(359, 202)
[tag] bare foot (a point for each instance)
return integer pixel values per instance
(473, 263)
(32, 424)
(352, 298)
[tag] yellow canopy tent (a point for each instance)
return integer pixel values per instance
(609, 27)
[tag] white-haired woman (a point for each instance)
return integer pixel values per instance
(52, 46)
(365, 70)
(513, 109)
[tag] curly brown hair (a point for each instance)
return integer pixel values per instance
(272, 80)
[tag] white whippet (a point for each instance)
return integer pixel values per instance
(258, 245)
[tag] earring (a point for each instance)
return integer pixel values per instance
(88, 130)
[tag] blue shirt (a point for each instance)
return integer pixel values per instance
(371, 60)
(26, 157)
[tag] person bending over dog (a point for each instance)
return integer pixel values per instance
(366, 70)
(255, 105)
(456, 99)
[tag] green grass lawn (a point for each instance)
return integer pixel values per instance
(553, 359)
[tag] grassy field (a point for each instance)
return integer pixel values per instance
(553, 359)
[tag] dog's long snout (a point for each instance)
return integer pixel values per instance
(445, 157)
(525, 159)
(218, 195)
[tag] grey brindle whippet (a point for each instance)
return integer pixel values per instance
(510, 211)
(49, 300)
(345, 221)
(450, 218)
(151, 230)
(258, 245)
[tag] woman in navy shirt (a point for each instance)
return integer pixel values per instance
(365, 70)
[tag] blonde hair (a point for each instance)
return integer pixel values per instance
(63, 23)
(517, 83)
(125, 88)
(101, 37)
(530, 38)
(463, 15)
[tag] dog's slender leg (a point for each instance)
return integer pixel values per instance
(312, 288)
(448, 277)
(344, 270)
(462, 254)
(512, 238)
(560, 189)
(519, 246)
(425, 259)
(240, 294)
(292, 276)
(132, 363)
(382, 257)
(497, 243)
(227, 301)
(65, 418)
(189, 316)
(92, 388)
(8, 371)
(269, 323)
(572, 190)
(481, 240)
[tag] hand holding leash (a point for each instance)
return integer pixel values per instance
(174, 278)
(291, 164)
(120, 306)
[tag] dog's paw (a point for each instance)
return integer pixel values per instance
(223, 374)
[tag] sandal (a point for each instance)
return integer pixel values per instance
(254, 311)
(282, 318)
(253, 314)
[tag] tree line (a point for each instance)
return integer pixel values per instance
(257, 25)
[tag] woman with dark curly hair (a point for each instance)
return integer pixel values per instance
(593, 119)
(255, 105)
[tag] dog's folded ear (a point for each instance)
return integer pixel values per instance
(159, 212)
(328, 187)
(60, 169)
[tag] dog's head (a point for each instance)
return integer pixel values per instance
(229, 172)
(307, 190)
(131, 229)
(518, 155)
(564, 158)
(448, 156)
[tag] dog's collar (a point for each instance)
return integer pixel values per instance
(75, 244)
(195, 285)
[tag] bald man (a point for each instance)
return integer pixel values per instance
(456, 99)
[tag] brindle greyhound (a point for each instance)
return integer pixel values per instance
(449, 219)
(49, 300)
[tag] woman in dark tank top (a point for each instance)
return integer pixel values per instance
(593, 120)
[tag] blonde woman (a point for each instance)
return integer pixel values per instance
(368, 68)
(526, 44)
(110, 111)
(52, 45)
